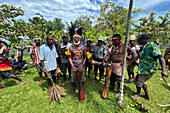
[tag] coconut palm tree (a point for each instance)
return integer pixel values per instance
(125, 51)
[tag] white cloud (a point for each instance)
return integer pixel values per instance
(69, 10)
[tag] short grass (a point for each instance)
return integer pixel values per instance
(33, 98)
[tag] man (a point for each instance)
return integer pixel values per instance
(48, 57)
(116, 59)
(148, 63)
(88, 64)
(65, 65)
(35, 51)
(131, 67)
(19, 65)
(77, 61)
(58, 49)
(99, 54)
(167, 58)
(5, 67)
(12, 59)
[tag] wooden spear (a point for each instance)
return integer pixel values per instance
(120, 100)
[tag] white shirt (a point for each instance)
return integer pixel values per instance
(49, 56)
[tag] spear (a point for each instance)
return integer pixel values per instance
(120, 100)
(55, 95)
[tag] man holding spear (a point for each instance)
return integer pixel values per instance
(77, 61)
(48, 57)
(116, 59)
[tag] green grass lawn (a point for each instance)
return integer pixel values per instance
(33, 98)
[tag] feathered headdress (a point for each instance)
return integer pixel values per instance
(75, 29)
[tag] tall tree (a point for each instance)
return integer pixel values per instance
(155, 29)
(11, 29)
(125, 51)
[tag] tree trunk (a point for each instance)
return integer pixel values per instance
(125, 51)
(17, 54)
(22, 52)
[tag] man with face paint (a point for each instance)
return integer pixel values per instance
(64, 59)
(149, 55)
(136, 48)
(99, 54)
(35, 51)
(77, 61)
(116, 59)
(48, 57)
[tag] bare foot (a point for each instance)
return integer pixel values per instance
(40, 81)
(49, 90)
(0, 89)
(94, 80)
(20, 83)
(117, 94)
(144, 96)
(62, 84)
(72, 91)
(100, 82)
(137, 96)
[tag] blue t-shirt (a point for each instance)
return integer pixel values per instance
(20, 64)
(99, 51)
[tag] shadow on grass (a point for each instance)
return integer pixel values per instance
(166, 86)
(10, 82)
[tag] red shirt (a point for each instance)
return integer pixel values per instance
(36, 51)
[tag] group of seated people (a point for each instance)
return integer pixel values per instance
(17, 65)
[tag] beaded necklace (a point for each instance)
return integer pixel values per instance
(115, 48)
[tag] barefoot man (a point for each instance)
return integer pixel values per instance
(148, 64)
(77, 61)
(35, 58)
(48, 58)
(5, 66)
(116, 59)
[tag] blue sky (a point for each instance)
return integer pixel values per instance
(69, 10)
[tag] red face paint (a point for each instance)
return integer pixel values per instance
(117, 40)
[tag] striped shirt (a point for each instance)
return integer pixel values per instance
(36, 51)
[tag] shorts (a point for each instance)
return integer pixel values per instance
(51, 73)
(39, 68)
(74, 76)
(116, 77)
(6, 74)
(140, 80)
(64, 67)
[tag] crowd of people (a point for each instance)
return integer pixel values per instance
(52, 56)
